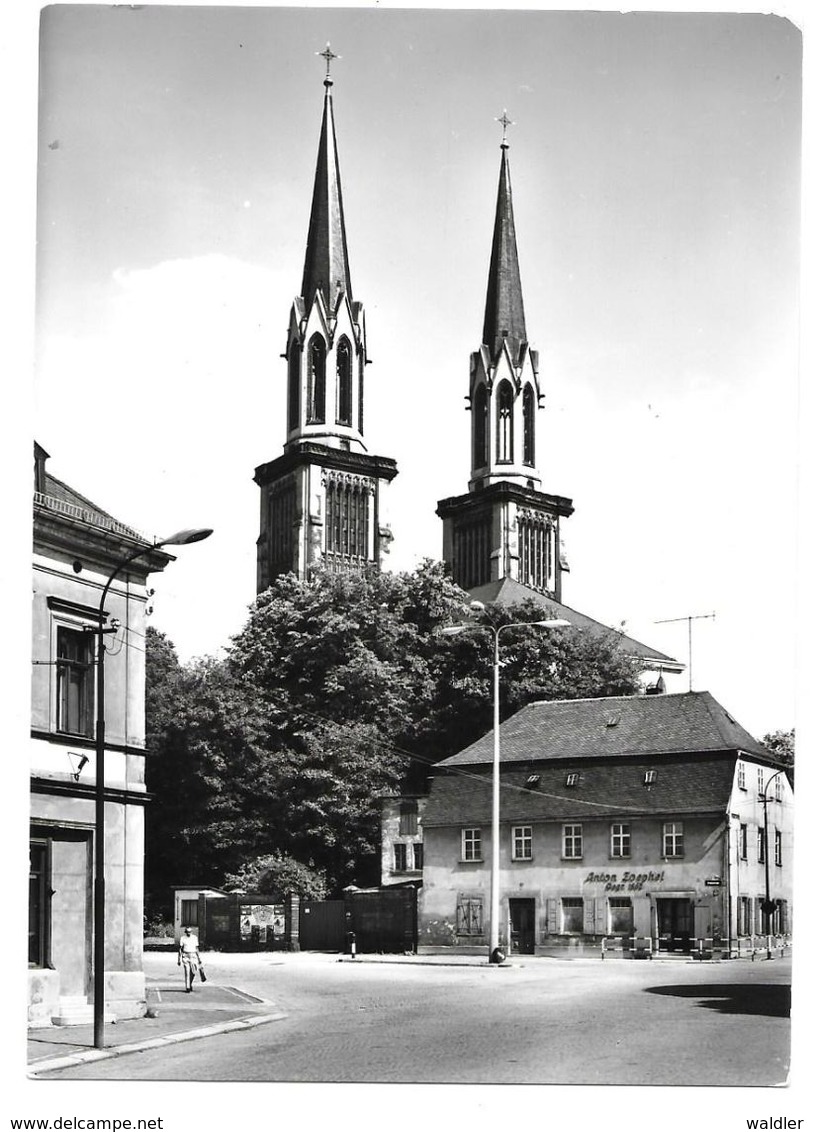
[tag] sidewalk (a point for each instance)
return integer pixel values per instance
(172, 1016)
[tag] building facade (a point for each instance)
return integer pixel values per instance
(655, 818)
(322, 501)
(76, 546)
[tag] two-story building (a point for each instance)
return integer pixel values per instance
(76, 547)
(656, 817)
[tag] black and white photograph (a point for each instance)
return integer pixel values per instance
(416, 635)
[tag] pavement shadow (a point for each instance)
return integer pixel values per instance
(772, 1000)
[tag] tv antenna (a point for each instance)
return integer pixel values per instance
(689, 619)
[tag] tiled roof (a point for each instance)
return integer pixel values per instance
(618, 726)
(508, 591)
(611, 789)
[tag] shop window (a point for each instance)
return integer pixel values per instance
(620, 839)
(572, 842)
(744, 841)
(673, 839)
(620, 916)
(400, 855)
(469, 915)
(38, 903)
(521, 843)
(761, 845)
(573, 914)
(418, 856)
(470, 845)
(189, 913)
(74, 681)
(408, 818)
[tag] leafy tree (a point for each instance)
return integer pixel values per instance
(337, 691)
(781, 744)
(277, 874)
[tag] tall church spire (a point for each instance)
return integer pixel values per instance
(326, 254)
(322, 501)
(504, 318)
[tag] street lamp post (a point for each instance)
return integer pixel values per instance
(494, 894)
(769, 904)
(180, 538)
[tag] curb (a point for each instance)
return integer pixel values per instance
(91, 1055)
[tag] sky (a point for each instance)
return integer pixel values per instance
(655, 163)
(163, 165)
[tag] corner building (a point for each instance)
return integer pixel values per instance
(322, 500)
(639, 817)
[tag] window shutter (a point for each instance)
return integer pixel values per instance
(600, 919)
(551, 916)
(588, 914)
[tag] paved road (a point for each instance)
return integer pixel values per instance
(670, 1022)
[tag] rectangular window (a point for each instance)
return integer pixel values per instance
(469, 915)
(761, 844)
(572, 842)
(778, 789)
(470, 845)
(760, 778)
(778, 847)
(38, 904)
(408, 818)
(741, 776)
(418, 856)
(620, 916)
(572, 913)
(744, 841)
(189, 913)
(74, 681)
(572, 779)
(521, 843)
(400, 854)
(673, 839)
(620, 839)
(744, 916)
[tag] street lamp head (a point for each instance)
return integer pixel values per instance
(183, 538)
(452, 630)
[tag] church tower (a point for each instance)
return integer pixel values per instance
(506, 526)
(321, 501)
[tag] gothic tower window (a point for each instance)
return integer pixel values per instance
(536, 550)
(343, 383)
(293, 386)
(528, 426)
(505, 414)
(480, 409)
(316, 381)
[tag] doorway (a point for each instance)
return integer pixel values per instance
(521, 926)
(674, 923)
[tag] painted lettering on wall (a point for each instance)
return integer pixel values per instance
(629, 881)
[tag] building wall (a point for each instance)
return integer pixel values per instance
(643, 878)
(394, 833)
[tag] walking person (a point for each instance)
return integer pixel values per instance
(189, 958)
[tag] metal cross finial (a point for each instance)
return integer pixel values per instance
(505, 122)
(328, 56)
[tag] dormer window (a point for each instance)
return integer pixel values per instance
(533, 780)
(573, 778)
(650, 777)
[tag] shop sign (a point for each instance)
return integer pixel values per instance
(626, 881)
(713, 882)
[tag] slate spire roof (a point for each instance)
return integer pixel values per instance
(326, 254)
(504, 316)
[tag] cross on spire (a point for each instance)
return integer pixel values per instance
(328, 56)
(505, 122)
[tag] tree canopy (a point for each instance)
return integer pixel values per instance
(336, 692)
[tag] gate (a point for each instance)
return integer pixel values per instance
(383, 919)
(322, 925)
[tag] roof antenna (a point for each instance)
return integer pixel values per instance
(689, 619)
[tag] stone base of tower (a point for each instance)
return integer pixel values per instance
(321, 505)
(505, 531)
